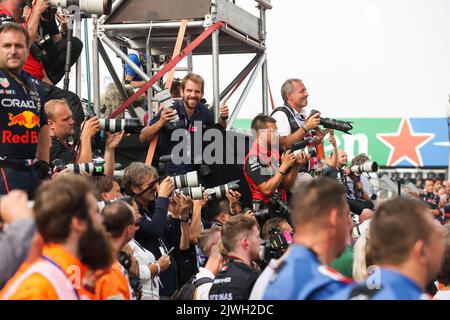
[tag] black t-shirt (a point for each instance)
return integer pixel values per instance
(259, 168)
(186, 259)
(234, 282)
(59, 150)
(22, 115)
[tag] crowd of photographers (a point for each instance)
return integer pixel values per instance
(79, 230)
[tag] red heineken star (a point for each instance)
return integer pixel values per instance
(405, 144)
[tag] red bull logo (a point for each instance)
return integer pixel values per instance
(25, 119)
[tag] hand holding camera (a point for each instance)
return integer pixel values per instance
(182, 205)
(287, 160)
(224, 112)
(113, 140)
(167, 115)
(90, 127)
(312, 121)
(165, 188)
(201, 202)
(301, 158)
(233, 198)
(14, 206)
(41, 6)
(164, 262)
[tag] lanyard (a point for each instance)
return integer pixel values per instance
(57, 266)
(299, 121)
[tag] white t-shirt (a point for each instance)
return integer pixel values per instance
(442, 295)
(284, 128)
(150, 286)
(202, 292)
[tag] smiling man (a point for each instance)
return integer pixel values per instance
(193, 117)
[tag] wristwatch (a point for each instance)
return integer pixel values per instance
(304, 128)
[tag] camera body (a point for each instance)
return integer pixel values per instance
(276, 245)
(304, 145)
(275, 208)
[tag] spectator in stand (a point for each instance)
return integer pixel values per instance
(443, 276)
(431, 199)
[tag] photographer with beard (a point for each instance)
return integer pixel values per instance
(68, 220)
(193, 116)
(139, 180)
(262, 168)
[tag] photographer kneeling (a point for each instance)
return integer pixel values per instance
(262, 168)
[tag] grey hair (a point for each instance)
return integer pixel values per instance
(136, 174)
(288, 87)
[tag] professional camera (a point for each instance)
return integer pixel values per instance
(189, 179)
(103, 204)
(95, 167)
(99, 7)
(131, 125)
(344, 126)
(195, 193)
(276, 245)
(220, 192)
(204, 170)
(40, 49)
(166, 101)
(369, 166)
(303, 145)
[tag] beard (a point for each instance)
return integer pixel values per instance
(94, 249)
(189, 101)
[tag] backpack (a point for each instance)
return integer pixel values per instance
(188, 290)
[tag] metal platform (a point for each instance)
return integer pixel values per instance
(131, 22)
(152, 26)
